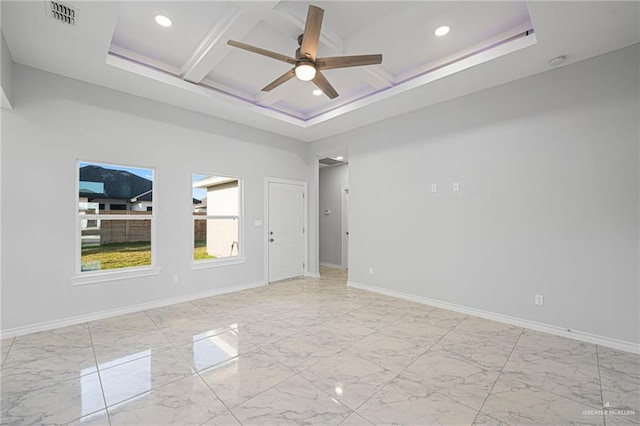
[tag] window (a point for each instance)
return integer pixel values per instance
(115, 217)
(216, 217)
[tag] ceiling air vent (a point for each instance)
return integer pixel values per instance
(62, 13)
(330, 161)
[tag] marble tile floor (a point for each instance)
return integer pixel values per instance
(311, 351)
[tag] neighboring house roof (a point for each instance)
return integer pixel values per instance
(116, 184)
(99, 183)
(200, 205)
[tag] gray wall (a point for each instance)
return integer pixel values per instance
(6, 72)
(56, 121)
(332, 179)
(548, 201)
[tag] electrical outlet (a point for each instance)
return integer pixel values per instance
(539, 299)
(434, 187)
(176, 279)
(370, 270)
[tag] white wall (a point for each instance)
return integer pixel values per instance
(55, 121)
(222, 234)
(332, 179)
(548, 201)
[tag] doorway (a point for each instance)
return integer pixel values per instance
(345, 226)
(333, 215)
(286, 229)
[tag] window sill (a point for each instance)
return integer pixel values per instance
(101, 277)
(215, 263)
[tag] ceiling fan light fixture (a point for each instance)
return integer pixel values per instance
(163, 21)
(442, 31)
(305, 71)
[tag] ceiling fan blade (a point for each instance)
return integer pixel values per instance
(311, 35)
(324, 85)
(347, 61)
(263, 52)
(278, 81)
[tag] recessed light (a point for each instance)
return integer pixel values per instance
(163, 21)
(559, 60)
(442, 31)
(317, 92)
(339, 158)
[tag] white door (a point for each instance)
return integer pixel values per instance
(345, 227)
(286, 231)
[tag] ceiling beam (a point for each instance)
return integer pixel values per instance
(193, 68)
(236, 22)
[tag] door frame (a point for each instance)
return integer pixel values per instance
(344, 238)
(305, 221)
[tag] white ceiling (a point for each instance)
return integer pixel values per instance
(118, 45)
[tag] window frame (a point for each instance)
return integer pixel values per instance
(229, 260)
(91, 277)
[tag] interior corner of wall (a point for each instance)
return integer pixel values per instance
(6, 67)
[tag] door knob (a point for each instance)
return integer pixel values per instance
(271, 240)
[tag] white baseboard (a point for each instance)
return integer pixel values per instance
(332, 265)
(532, 325)
(312, 274)
(49, 325)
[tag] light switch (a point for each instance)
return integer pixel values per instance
(456, 187)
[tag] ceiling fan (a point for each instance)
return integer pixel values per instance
(306, 66)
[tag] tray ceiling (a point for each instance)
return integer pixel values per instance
(194, 48)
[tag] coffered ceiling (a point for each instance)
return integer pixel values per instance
(119, 45)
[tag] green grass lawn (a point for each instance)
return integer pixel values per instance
(127, 255)
(118, 255)
(200, 251)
